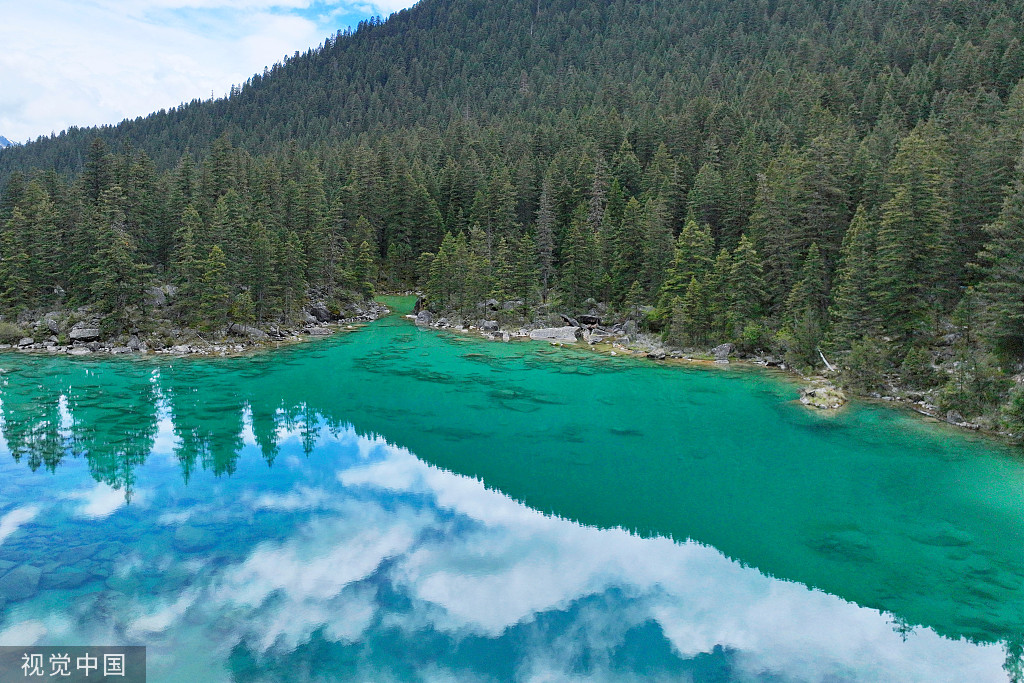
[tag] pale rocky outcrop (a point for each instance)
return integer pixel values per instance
(825, 397)
(562, 334)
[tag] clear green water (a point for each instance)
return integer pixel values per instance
(398, 504)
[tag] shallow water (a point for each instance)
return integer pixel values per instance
(401, 504)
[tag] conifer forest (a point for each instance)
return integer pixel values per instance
(810, 179)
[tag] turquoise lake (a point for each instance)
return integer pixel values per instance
(400, 504)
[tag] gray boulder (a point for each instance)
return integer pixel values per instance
(589, 319)
(424, 318)
(80, 351)
(26, 341)
(248, 331)
(722, 351)
(156, 297)
(318, 331)
(52, 322)
(320, 312)
(489, 326)
(562, 334)
(83, 334)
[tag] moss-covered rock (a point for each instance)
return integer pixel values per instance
(826, 397)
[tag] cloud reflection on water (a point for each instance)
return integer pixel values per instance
(377, 565)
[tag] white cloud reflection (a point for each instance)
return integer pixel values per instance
(102, 500)
(470, 564)
(10, 522)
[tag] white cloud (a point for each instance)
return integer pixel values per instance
(69, 62)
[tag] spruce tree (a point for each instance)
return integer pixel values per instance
(693, 256)
(746, 286)
(1001, 291)
(853, 311)
(914, 236)
(215, 293)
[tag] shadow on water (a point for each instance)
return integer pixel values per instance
(864, 505)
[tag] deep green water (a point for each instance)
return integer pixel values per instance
(401, 504)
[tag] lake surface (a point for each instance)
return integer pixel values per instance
(400, 504)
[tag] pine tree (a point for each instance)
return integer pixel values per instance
(719, 295)
(657, 245)
(695, 320)
(523, 285)
(545, 237)
(746, 285)
(914, 235)
(706, 199)
(692, 257)
(579, 274)
(364, 270)
(14, 286)
(215, 294)
(117, 285)
(1001, 291)
(291, 284)
(628, 249)
(806, 310)
(853, 312)
(775, 225)
(186, 267)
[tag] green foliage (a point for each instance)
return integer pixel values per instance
(755, 337)
(1012, 414)
(853, 310)
(10, 333)
(215, 294)
(916, 370)
(1001, 292)
(865, 367)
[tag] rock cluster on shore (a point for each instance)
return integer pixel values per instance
(79, 333)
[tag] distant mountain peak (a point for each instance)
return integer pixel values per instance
(4, 142)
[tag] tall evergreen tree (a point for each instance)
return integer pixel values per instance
(1001, 291)
(914, 236)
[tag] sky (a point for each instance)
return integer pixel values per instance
(92, 62)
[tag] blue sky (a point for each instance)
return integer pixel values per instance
(91, 62)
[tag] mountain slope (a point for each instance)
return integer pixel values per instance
(524, 62)
(785, 175)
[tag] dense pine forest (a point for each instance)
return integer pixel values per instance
(797, 177)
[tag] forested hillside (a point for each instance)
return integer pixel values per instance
(785, 175)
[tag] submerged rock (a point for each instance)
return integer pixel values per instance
(562, 334)
(825, 397)
(20, 583)
(191, 539)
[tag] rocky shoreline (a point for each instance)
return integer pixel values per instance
(78, 333)
(817, 393)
